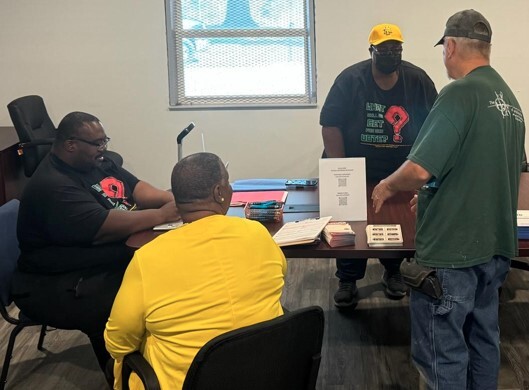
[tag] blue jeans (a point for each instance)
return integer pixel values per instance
(455, 339)
(351, 270)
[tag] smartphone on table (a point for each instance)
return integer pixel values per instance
(301, 183)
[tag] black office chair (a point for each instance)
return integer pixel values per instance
(34, 128)
(36, 132)
(281, 354)
(8, 258)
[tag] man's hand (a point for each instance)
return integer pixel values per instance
(409, 176)
(380, 194)
(170, 212)
(120, 224)
(413, 204)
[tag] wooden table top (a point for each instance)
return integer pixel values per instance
(395, 211)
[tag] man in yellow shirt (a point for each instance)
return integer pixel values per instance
(214, 274)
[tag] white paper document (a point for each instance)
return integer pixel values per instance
(343, 188)
(168, 226)
(523, 218)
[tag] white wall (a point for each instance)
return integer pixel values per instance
(109, 58)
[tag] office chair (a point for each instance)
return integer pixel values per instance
(34, 128)
(36, 132)
(8, 258)
(281, 354)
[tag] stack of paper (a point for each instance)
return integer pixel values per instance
(339, 234)
(523, 224)
(306, 231)
(384, 235)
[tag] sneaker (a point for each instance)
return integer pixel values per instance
(346, 294)
(395, 286)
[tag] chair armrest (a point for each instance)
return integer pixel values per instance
(36, 142)
(135, 362)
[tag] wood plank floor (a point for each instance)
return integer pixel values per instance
(367, 348)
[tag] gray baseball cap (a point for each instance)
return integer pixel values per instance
(468, 24)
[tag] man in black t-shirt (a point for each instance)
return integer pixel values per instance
(75, 214)
(375, 109)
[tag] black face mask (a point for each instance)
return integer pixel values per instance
(387, 64)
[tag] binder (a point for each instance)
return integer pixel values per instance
(306, 231)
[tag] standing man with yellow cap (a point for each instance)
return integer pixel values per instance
(467, 163)
(375, 110)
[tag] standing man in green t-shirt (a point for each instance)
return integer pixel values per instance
(467, 159)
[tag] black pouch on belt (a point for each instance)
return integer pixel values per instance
(421, 278)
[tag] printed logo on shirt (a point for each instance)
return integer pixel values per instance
(505, 109)
(113, 187)
(397, 116)
(377, 116)
(113, 191)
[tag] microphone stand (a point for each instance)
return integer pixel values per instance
(180, 138)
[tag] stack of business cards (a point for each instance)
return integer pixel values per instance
(384, 235)
(523, 224)
(339, 234)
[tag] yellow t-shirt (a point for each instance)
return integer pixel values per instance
(190, 285)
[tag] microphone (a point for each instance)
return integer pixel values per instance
(181, 136)
(184, 132)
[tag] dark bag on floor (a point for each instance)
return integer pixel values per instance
(421, 278)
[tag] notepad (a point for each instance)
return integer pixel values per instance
(241, 198)
(306, 231)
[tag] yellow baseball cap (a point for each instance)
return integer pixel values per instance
(385, 32)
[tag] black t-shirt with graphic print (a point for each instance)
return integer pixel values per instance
(376, 124)
(62, 209)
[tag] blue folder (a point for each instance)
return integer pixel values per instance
(259, 185)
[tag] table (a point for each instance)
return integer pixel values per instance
(395, 210)
(12, 179)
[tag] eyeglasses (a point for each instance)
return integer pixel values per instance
(100, 144)
(387, 51)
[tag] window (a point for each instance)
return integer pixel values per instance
(241, 52)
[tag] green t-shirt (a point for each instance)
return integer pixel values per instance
(472, 143)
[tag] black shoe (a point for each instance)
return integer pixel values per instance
(346, 294)
(395, 288)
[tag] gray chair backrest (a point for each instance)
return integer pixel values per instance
(9, 250)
